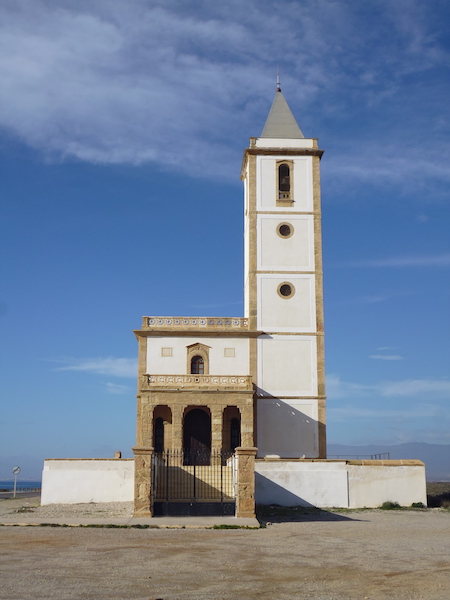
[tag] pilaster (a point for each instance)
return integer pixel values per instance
(142, 481)
(245, 493)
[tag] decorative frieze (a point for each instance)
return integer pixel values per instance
(240, 382)
(194, 322)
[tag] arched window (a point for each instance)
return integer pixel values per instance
(197, 365)
(284, 182)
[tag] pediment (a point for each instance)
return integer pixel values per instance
(198, 346)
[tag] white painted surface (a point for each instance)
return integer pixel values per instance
(284, 143)
(287, 365)
(266, 192)
(287, 428)
(373, 485)
(298, 483)
(328, 484)
(277, 253)
(278, 314)
(177, 363)
(87, 480)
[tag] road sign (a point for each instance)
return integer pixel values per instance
(16, 471)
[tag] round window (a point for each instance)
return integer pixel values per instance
(286, 290)
(285, 230)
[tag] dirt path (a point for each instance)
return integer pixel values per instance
(365, 555)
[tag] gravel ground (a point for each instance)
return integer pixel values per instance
(32, 507)
(376, 555)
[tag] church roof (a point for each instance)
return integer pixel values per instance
(281, 122)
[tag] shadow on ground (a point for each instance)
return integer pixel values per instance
(287, 514)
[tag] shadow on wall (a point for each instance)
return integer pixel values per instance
(284, 430)
(296, 509)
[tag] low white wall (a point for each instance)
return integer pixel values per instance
(371, 485)
(339, 484)
(301, 483)
(73, 481)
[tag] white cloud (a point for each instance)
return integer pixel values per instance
(114, 388)
(386, 356)
(118, 367)
(336, 388)
(133, 82)
(350, 412)
(416, 387)
(439, 260)
(434, 388)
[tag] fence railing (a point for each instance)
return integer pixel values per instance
(381, 456)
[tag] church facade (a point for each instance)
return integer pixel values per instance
(231, 410)
(256, 382)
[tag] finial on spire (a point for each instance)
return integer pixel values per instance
(278, 81)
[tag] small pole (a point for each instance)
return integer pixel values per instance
(16, 471)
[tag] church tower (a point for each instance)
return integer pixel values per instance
(283, 287)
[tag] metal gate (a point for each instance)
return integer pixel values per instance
(193, 483)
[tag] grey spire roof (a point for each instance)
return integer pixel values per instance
(281, 122)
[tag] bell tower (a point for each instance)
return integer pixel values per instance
(283, 286)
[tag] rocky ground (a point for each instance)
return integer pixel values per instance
(313, 555)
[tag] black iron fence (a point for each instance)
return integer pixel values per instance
(193, 483)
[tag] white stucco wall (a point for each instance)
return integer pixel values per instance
(74, 481)
(219, 364)
(287, 365)
(301, 483)
(277, 253)
(294, 314)
(287, 428)
(266, 193)
(284, 143)
(328, 484)
(373, 485)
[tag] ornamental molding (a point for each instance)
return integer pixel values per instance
(202, 322)
(242, 382)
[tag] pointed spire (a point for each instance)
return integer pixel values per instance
(281, 122)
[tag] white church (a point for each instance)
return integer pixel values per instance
(231, 410)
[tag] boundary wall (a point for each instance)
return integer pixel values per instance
(298, 482)
(74, 481)
(339, 483)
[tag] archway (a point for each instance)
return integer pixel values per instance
(231, 428)
(197, 437)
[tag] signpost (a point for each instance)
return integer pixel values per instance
(16, 471)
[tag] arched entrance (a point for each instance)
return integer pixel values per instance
(197, 437)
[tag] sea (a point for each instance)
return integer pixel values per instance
(21, 483)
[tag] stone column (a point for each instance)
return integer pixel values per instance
(245, 493)
(142, 481)
(216, 428)
(247, 425)
(177, 426)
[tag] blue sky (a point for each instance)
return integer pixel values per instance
(122, 126)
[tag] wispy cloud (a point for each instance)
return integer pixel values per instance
(118, 367)
(356, 412)
(164, 82)
(440, 260)
(114, 388)
(416, 387)
(386, 356)
(435, 388)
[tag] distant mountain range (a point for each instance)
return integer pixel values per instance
(435, 456)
